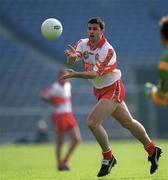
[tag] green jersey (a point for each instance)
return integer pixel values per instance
(163, 73)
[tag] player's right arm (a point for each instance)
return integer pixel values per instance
(158, 93)
(71, 55)
(74, 53)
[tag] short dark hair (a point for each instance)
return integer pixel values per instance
(97, 20)
(164, 26)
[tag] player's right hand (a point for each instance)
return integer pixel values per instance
(71, 54)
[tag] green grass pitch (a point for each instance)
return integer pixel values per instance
(37, 162)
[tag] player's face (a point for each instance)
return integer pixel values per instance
(94, 33)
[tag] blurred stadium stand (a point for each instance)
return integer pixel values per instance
(28, 63)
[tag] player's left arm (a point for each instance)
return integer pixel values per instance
(77, 74)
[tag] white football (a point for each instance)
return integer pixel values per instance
(51, 29)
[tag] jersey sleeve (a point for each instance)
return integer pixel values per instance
(53, 94)
(46, 93)
(106, 62)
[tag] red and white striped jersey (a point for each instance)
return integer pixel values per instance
(60, 96)
(101, 59)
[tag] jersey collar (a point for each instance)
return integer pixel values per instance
(99, 45)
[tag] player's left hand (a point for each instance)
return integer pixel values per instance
(69, 73)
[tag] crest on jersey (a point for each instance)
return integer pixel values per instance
(86, 54)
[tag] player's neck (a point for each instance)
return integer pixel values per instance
(95, 43)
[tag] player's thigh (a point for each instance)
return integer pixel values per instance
(102, 109)
(122, 114)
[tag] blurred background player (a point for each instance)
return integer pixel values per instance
(100, 67)
(159, 94)
(59, 96)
